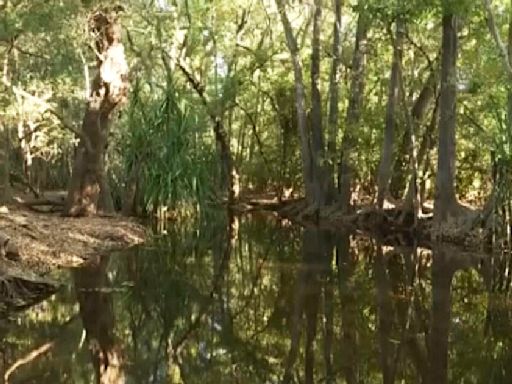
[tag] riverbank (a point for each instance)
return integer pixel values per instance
(45, 241)
(391, 226)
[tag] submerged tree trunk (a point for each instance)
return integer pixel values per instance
(385, 316)
(109, 90)
(353, 113)
(329, 319)
(316, 258)
(386, 160)
(444, 267)
(300, 100)
(334, 80)
(349, 344)
(445, 198)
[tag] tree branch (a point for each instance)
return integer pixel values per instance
(255, 133)
(491, 23)
(48, 108)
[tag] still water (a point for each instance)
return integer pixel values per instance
(255, 300)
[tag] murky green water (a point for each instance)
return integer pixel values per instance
(262, 302)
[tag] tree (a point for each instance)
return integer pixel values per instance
(300, 101)
(334, 82)
(389, 130)
(88, 189)
(321, 178)
(356, 97)
(446, 203)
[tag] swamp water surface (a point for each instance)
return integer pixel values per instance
(259, 301)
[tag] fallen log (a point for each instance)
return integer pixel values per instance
(46, 203)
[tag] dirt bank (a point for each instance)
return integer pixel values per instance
(44, 241)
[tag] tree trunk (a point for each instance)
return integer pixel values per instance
(300, 100)
(105, 201)
(353, 113)
(108, 91)
(445, 199)
(229, 175)
(129, 198)
(321, 178)
(386, 159)
(334, 80)
(418, 111)
(425, 147)
(5, 189)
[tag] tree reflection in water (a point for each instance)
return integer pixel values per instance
(260, 301)
(95, 299)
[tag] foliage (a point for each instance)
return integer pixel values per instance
(236, 52)
(165, 141)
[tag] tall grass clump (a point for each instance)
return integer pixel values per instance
(169, 150)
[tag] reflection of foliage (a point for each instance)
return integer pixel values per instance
(379, 300)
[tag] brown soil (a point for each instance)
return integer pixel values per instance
(45, 240)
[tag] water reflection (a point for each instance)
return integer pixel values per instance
(258, 301)
(313, 270)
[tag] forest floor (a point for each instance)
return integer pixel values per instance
(45, 241)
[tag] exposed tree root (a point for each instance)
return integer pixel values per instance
(20, 287)
(47, 202)
(463, 227)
